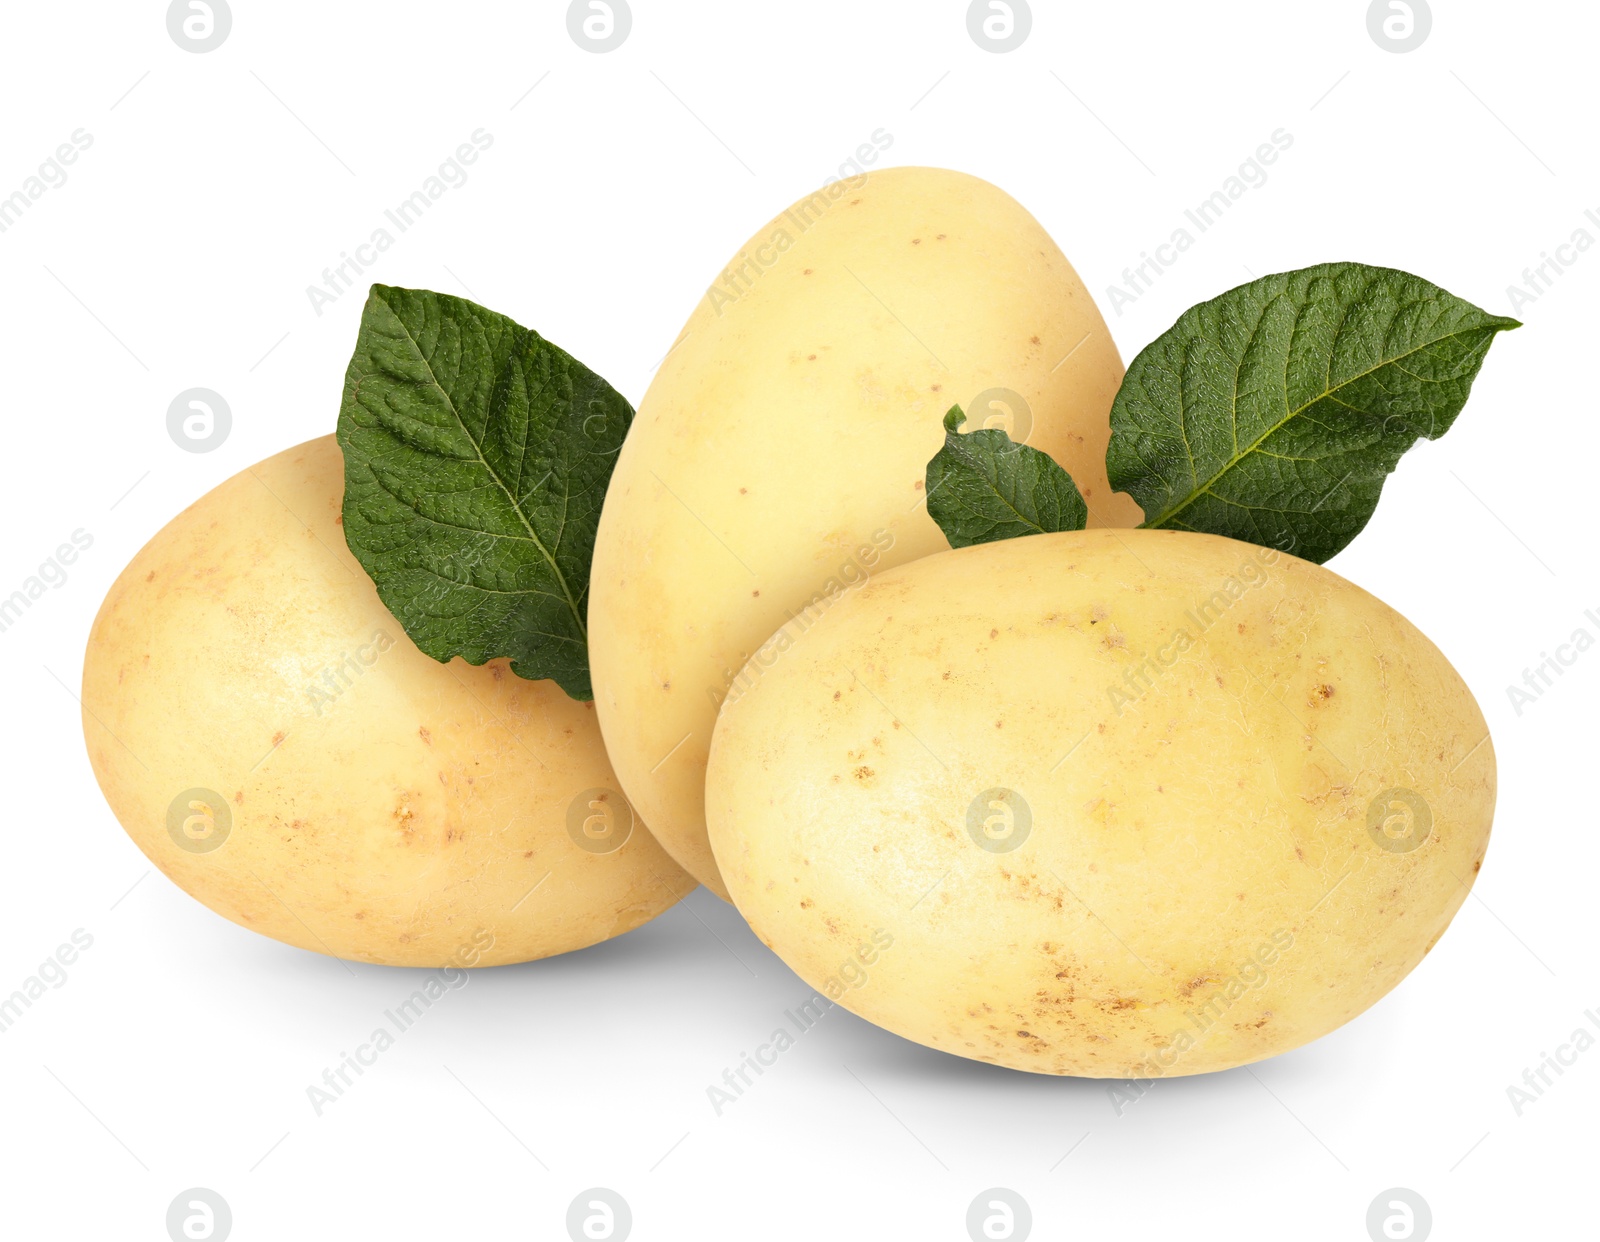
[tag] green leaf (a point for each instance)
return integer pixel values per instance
(476, 459)
(982, 487)
(1274, 413)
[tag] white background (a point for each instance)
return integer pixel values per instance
(177, 255)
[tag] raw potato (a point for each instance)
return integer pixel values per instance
(333, 787)
(1125, 804)
(778, 458)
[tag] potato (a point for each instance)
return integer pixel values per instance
(274, 743)
(1114, 804)
(777, 461)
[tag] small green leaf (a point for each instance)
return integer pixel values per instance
(476, 459)
(982, 487)
(1275, 412)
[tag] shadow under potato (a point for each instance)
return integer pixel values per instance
(671, 939)
(701, 943)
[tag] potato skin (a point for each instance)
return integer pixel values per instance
(779, 456)
(384, 807)
(1217, 867)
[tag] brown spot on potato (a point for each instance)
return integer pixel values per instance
(427, 738)
(864, 774)
(806, 903)
(277, 738)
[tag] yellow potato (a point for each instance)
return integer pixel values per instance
(778, 459)
(272, 740)
(1110, 803)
